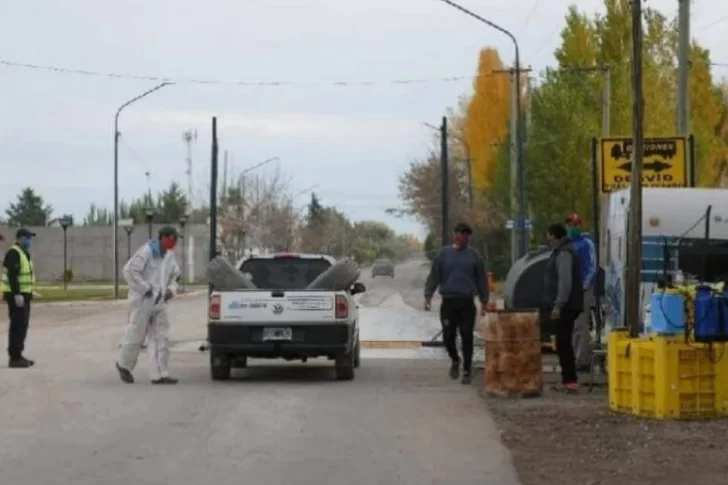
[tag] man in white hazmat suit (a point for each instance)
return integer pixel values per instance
(152, 275)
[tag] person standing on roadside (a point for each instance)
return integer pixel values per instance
(152, 274)
(459, 271)
(563, 301)
(18, 284)
(584, 248)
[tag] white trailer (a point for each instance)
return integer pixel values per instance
(683, 229)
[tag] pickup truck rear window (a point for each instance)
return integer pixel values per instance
(284, 273)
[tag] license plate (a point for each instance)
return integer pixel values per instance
(277, 333)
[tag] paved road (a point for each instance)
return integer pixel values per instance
(402, 421)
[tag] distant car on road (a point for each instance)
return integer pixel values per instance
(383, 267)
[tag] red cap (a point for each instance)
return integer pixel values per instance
(573, 219)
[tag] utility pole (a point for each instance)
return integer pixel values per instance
(683, 59)
(633, 275)
(519, 225)
(189, 137)
(607, 102)
(445, 191)
(529, 105)
(213, 195)
(513, 171)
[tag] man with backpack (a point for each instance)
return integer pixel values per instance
(583, 246)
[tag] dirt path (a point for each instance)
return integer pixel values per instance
(576, 440)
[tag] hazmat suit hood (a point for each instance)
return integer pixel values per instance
(157, 251)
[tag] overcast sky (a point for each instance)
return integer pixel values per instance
(56, 130)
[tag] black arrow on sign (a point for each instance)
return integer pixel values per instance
(657, 166)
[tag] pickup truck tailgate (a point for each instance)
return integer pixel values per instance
(277, 306)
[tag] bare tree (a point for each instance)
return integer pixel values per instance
(256, 212)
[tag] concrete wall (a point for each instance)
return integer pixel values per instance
(91, 250)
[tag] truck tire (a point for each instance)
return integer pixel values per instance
(220, 367)
(357, 354)
(240, 362)
(345, 366)
(224, 277)
(341, 276)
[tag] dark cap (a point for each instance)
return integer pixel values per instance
(462, 228)
(23, 232)
(168, 231)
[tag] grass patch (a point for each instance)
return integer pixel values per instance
(57, 293)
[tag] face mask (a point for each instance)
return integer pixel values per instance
(573, 231)
(168, 243)
(27, 243)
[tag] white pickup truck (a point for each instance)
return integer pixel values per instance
(282, 319)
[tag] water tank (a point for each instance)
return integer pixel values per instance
(523, 287)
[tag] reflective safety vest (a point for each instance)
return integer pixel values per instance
(26, 278)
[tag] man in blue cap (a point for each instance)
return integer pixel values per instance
(18, 283)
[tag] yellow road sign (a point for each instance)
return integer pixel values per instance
(665, 163)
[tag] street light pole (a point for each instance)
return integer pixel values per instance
(65, 223)
(115, 229)
(519, 137)
(129, 230)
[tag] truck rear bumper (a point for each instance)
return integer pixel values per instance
(309, 340)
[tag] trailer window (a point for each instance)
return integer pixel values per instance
(284, 273)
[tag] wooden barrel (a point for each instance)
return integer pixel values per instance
(513, 353)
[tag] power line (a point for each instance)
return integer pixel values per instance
(712, 24)
(110, 75)
(527, 19)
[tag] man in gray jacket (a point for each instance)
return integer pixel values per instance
(563, 301)
(459, 272)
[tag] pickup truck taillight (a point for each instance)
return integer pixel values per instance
(214, 312)
(342, 307)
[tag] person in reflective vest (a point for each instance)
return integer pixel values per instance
(18, 284)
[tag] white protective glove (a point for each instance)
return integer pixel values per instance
(19, 300)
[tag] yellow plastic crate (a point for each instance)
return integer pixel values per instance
(670, 379)
(620, 371)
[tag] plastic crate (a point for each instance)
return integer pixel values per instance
(620, 371)
(670, 379)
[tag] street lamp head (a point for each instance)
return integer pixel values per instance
(149, 214)
(65, 222)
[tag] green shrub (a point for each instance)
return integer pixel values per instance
(68, 275)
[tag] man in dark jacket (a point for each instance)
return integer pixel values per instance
(18, 282)
(563, 301)
(459, 271)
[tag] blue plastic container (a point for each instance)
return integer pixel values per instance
(667, 313)
(711, 313)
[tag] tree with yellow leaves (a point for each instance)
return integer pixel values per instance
(485, 124)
